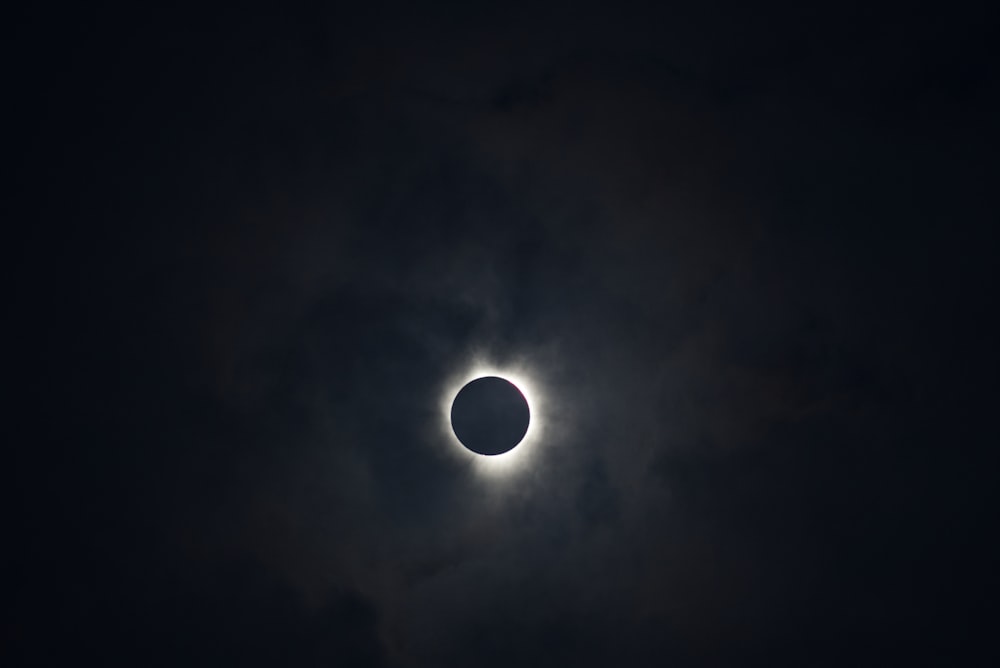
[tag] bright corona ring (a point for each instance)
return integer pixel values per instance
(493, 417)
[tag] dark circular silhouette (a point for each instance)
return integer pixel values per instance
(490, 416)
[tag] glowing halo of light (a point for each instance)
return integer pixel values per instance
(521, 456)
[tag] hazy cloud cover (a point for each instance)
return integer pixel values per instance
(743, 255)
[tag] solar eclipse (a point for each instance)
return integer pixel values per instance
(520, 411)
(490, 416)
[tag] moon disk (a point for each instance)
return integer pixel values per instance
(490, 416)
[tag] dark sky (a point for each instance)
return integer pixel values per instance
(745, 253)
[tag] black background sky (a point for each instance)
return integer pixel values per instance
(747, 251)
